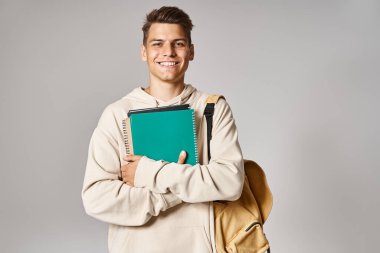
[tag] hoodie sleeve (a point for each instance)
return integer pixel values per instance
(221, 179)
(105, 196)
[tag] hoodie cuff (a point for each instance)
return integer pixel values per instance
(146, 173)
(170, 200)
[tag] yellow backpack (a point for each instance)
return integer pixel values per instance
(239, 223)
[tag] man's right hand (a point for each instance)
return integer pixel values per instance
(128, 171)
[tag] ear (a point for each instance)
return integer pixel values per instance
(143, 53)
(191, 57)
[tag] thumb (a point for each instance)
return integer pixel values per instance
(182, 157)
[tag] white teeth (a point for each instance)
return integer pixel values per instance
(166, 63)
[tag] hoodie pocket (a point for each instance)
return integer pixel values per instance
(164, 240)
(117, 238)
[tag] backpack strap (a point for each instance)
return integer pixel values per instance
(255, 174)
(209, 113)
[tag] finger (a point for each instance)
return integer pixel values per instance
(125, 179)
(132, 158)
(128, 157)
(182, 157)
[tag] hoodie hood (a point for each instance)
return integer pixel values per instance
(140, 98)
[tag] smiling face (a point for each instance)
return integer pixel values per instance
(167, 53)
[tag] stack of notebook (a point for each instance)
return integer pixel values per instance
(161, 133)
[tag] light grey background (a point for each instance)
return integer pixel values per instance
(302, 78)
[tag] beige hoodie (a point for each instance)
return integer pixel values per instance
(170, 207)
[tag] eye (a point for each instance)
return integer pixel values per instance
(156, 44)
(179, 44)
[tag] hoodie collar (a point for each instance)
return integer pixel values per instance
(142, 99)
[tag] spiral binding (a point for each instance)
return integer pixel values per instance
(125, 136)
(195, 137)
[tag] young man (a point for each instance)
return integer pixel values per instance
(156, 206)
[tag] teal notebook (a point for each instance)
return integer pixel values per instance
(162, 133)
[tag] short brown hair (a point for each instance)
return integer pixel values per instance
(168, 15)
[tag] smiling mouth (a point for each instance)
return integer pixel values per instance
(168, 63)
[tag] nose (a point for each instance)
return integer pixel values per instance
(168, 50)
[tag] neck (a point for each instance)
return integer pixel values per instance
(164, 91)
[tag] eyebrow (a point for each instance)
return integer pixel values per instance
(161, 40)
